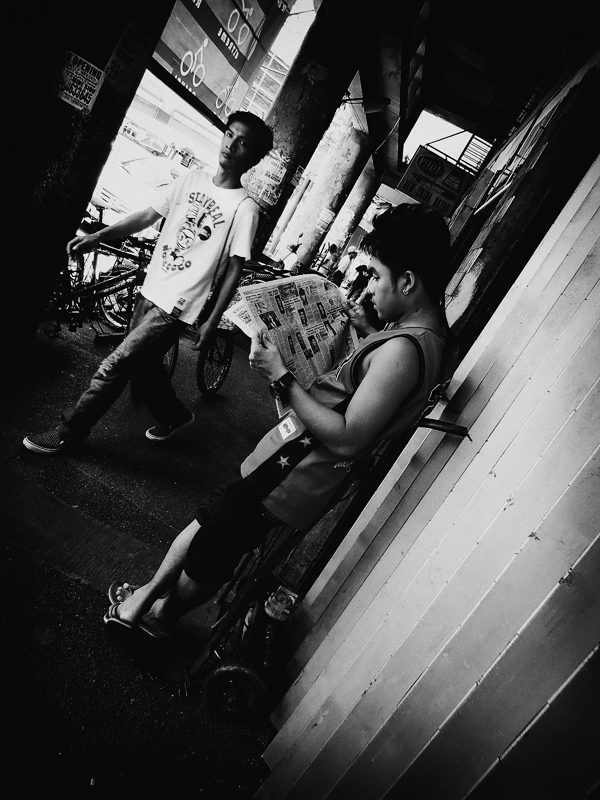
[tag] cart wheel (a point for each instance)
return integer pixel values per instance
(213, 365)
(235, 690)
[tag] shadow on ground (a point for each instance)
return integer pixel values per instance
(81, 711)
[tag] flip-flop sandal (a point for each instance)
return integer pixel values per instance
(112, 616)
(112, 591)
(151, 628)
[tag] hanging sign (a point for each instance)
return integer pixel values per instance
(215, 47)
(435, 181)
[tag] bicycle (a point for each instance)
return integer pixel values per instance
(100, 288)
(214, 364)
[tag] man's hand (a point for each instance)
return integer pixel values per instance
(82, 244)
(358, 318)
(134, 223)
(265, 357)
(205, 336)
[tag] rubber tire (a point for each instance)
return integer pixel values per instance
(112, 308)
(213, 366)
(115, 307)
(235, 690)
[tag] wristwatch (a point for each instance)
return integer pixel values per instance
(279, 387)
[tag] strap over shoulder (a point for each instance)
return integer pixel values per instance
(220, 272)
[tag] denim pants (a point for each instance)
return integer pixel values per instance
(139, 357)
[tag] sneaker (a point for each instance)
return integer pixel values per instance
(158, 433)
(49, 443)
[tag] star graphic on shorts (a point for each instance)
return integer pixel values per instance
(306, 441)
(283, 462)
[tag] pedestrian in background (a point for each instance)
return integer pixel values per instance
(327, 265)
(344, 265)
(359, 284)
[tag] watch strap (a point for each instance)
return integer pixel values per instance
(281, 385)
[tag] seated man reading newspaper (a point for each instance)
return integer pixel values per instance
(381, 389)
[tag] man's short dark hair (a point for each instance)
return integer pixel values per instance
(416, 237)
(264, 133)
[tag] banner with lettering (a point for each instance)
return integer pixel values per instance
(215, 47)
(435, 180)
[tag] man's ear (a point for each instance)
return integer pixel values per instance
(408, 281)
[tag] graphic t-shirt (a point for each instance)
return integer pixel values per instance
(195, 238)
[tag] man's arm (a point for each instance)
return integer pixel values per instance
(138, 221)
(391, 373)
(207, 330)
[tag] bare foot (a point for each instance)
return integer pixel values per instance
(117, 591)
(125, 591)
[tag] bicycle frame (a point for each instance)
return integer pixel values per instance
(107, 285)
(86, 301)
(106, 303)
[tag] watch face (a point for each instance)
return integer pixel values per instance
(281, 384)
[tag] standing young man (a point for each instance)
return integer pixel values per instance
(344, 271)
(210, 222)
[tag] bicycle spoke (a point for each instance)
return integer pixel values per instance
(213, 366)
(99, 288)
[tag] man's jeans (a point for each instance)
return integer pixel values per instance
(139, 357)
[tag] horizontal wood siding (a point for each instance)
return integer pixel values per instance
(458, 669)
(423, 461)
(562, 634)
(448, 472)
(564, 744)
(465, 596)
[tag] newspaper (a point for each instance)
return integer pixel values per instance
(304, 317)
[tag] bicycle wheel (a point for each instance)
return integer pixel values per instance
(214, 364)
(116, 308)
(235, 689)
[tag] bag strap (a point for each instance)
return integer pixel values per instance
(220, 271)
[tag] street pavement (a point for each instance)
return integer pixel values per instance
(82, 710)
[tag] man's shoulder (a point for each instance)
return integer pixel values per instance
(192, 180)
(197, 176)
(248, 205)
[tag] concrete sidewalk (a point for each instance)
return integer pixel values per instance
(82, 714)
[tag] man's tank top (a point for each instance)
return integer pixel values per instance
(305, 491)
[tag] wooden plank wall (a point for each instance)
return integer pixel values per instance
(466, 597)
